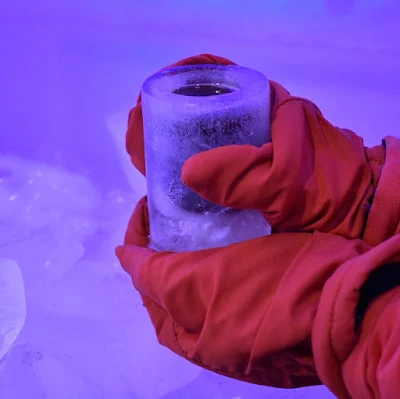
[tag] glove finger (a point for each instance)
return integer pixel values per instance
(132, 259)
(271, 178)
(234, 176)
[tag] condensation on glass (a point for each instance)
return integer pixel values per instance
(187, 110)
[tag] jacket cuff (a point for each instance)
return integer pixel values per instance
(334, 332)
(383, 220)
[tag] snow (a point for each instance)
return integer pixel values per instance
(69, 73)
(12, 304)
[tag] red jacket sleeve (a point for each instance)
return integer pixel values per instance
(372, 369)
(360, 362)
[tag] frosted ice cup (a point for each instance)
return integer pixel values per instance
(191, 109)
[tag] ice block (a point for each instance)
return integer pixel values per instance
(187, 110)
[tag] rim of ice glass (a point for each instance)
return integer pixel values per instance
(245, 82)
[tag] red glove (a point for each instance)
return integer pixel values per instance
(244, 316)
(313, 176)
(254, 317)
(232, 309)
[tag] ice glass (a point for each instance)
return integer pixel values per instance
(187, 110)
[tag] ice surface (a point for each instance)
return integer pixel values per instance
(211, 386)
(66, 97)
(87, 334)
(45, 212)
(12, 304)
(26, 375)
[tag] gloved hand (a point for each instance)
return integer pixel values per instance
(233, 309)
(273, 316)
(313, 176)
(246, 310)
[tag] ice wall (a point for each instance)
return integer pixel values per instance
(69, 73)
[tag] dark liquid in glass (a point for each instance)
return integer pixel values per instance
(203, 90)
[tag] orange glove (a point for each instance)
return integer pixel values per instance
(313, 176)
(254, 317)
